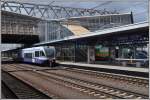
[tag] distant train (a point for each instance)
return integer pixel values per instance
(38, 55)
(125, 56)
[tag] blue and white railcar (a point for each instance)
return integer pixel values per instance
(39, 55)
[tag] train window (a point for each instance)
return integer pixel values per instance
(24, 55)
(42, 53)
(36, 53)
(126, 53)
(28, 55)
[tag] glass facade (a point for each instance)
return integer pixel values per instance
(52, 30)
(138, 52)
(127, 46)
(55, 30)
(102, 22)
(65, 52)
(71, 52)
(131, 49)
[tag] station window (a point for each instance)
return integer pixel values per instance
(127, 53)
(101, 20)
(28, 55)
(113, 20)
(137, 53)
(105, 20)
(141, 52)
(117, 19)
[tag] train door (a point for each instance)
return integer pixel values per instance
(28, 57)
(37, 56)
(33, 56)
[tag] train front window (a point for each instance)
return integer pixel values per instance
(49, 52)
(28, 55)
(42, 53)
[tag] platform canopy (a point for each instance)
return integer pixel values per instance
(110, 33)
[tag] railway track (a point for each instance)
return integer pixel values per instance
(131, 80)
(97, 87)
(74, 86)
(90, 88)
(45, 78)
(144, 82)
(6, 92)
(20, 89)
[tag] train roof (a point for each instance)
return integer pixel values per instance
(40, 48)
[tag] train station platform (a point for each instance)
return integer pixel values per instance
(134, 71)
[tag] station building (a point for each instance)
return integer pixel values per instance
(113, 39)
(103, 39)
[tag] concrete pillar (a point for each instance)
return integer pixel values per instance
(90, 54)
(134, 52)
(34, 30)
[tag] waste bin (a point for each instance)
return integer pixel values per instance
(124, 63)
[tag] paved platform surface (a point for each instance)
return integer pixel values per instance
(133, 69)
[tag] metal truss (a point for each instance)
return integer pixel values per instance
(50, 11)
